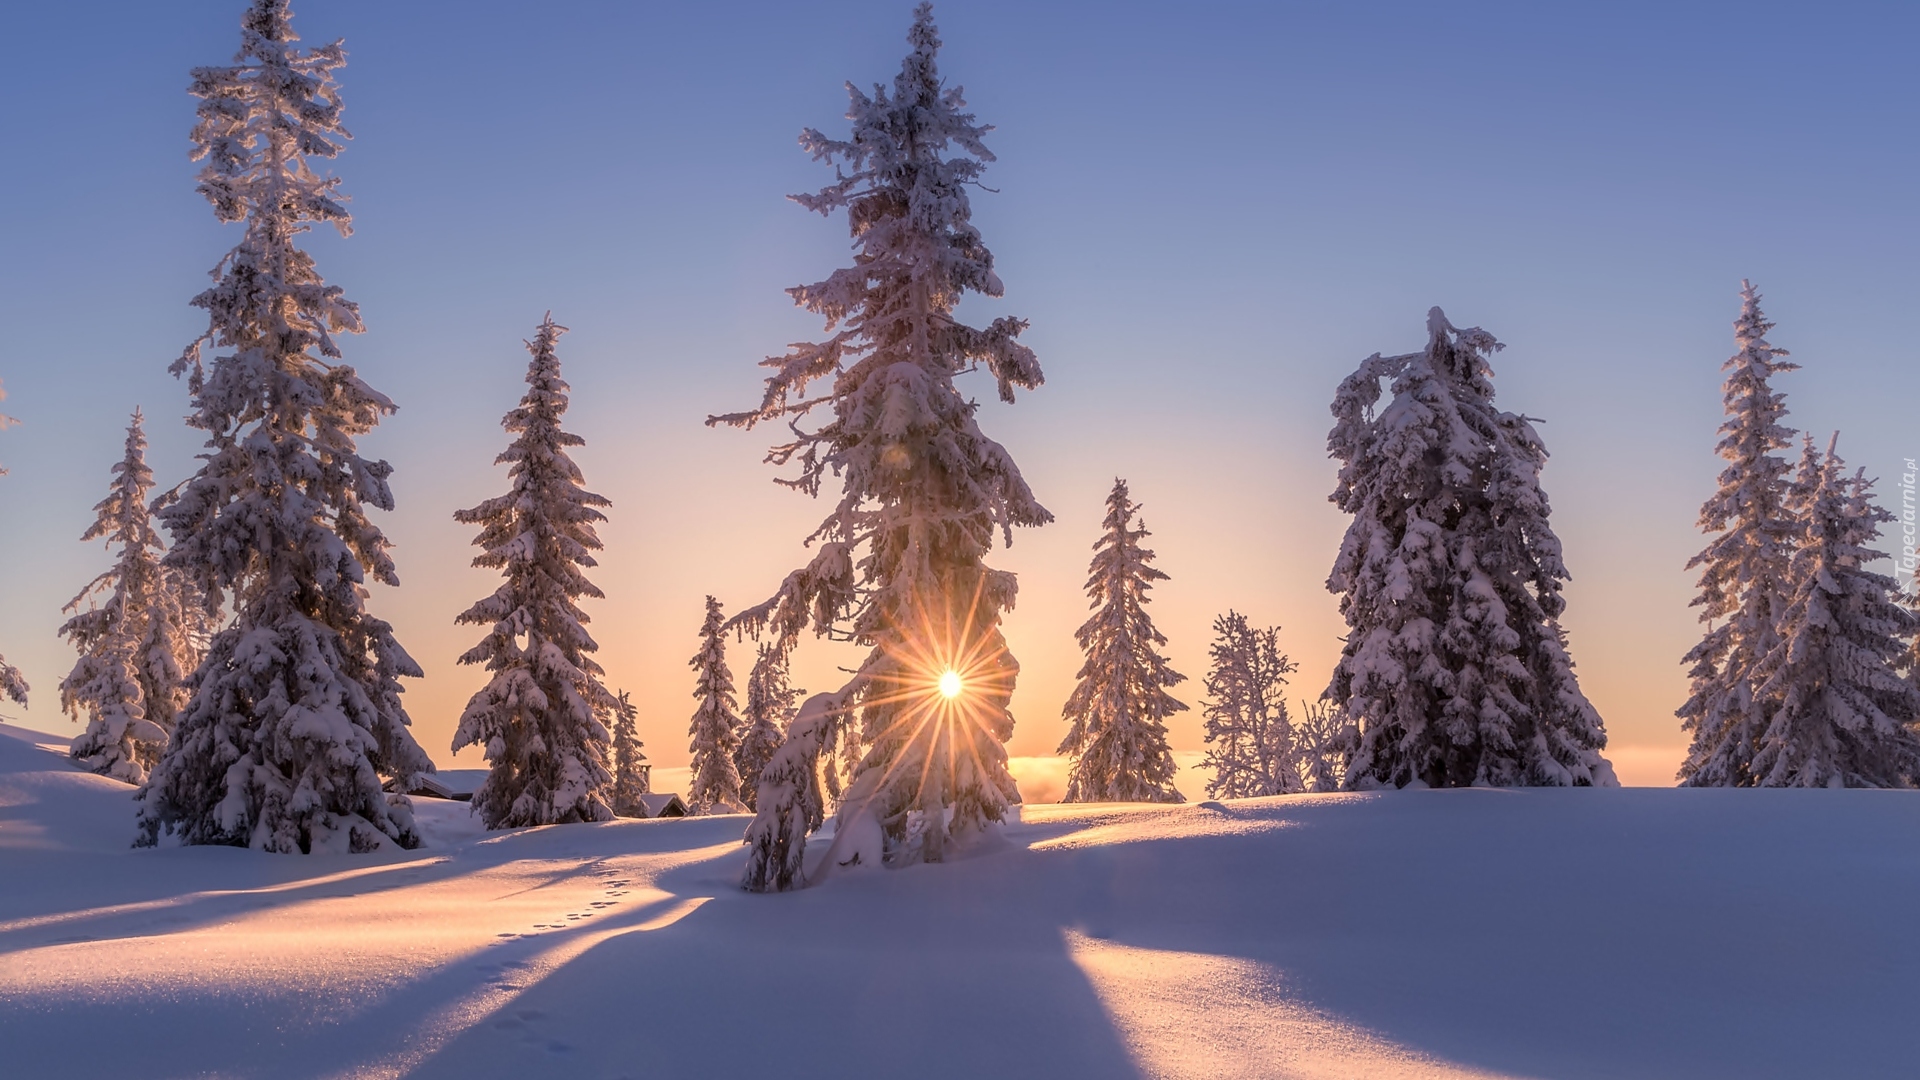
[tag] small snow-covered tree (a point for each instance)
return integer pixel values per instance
(769, 709)
(1455, 669)
(1249, 733)
(137, 645)
(539, 716)
(715, 730)
(1117, 713)
(789, 801)
(901, 562)
(12, 683)
(1325, 742)
(631, 773)
(1840, 714)
(296, 705)
(1744, 570)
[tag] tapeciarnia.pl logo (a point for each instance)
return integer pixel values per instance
(1904, 565)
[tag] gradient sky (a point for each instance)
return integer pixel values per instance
(1210, 213)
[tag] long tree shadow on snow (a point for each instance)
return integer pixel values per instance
(859, 977)
(1547, 933)
(318, 1018)
(140, 892)
(700, 980)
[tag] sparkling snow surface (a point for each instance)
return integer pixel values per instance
(1544, 933)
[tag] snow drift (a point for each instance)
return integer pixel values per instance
(1523, 933)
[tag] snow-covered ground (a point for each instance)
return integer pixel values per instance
(1639, 932)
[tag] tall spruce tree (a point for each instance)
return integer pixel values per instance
(769, 710)
(900, 566)
(1250, 744)
(1840, 714)
(296, 705)
(1118, 710)
(715, 730)
(1744, 570)
(137, 644)
(1455, 669)
(630, 770)
(539, 716)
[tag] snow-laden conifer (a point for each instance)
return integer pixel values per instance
(769, 709)
(136, 637)
(1250, 743)
(715, 729)
(12, 683)
(631, 773)
(1840, 715)
(900, 566)
(539, 717)
(1455, 669)
(1117, 713)
(1744, 569)
(789, 801)
(296, 705)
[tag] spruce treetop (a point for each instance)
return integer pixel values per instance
(124, 519)
(901, 434)
(541, 533)
(1748, 508)
(278, 396)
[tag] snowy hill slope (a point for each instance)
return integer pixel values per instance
(1416, 934)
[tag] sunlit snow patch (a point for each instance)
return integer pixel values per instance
(1191, 1015)
(1104, 824)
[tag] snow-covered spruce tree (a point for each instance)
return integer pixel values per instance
(715, 729)
(1324, 741)
(1118, 710)
(789, 801)
(1840, 714)
(1455, 669)
(1744, 570)
(1249, 734)
(12, 683)
(900, 566)
(539, 717)
(769, 709)
(135, 647)
(630, 768)
(296, 705)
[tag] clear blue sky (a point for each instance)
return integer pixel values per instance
(1209, 212)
